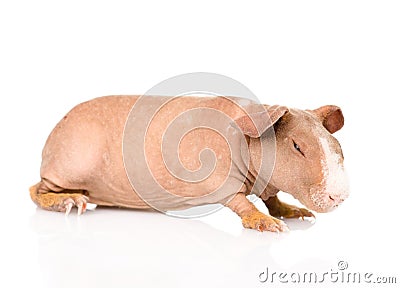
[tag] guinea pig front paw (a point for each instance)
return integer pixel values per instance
(261, 222)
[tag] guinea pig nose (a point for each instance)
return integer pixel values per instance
(336, 199)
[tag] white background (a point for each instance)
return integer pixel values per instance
(298, 53)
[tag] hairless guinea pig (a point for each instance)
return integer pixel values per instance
(172, 153)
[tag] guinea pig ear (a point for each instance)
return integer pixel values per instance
(331, 117)
(254, 125)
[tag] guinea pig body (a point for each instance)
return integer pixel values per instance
(172, 153)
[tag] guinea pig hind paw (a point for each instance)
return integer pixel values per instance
(80, 201)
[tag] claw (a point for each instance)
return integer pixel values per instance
(79, 202)
(68, 208)
(285, 228)
(281, 226)
(81, 208)
(275, 228)
(305, 213)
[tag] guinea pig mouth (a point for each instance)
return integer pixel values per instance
(325, 203)
(320, 201)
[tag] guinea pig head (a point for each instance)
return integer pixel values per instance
(309, 160)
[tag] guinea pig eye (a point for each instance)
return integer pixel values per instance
(297, 147)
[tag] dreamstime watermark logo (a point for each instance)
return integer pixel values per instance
(181, 152)
(339, 275)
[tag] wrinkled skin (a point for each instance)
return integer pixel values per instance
(309, 166)
(82, 161)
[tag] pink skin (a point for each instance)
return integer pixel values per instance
(82, 160)
(309, 166)
(314, 161)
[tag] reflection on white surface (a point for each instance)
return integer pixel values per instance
(129, 248)
(125, 248)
